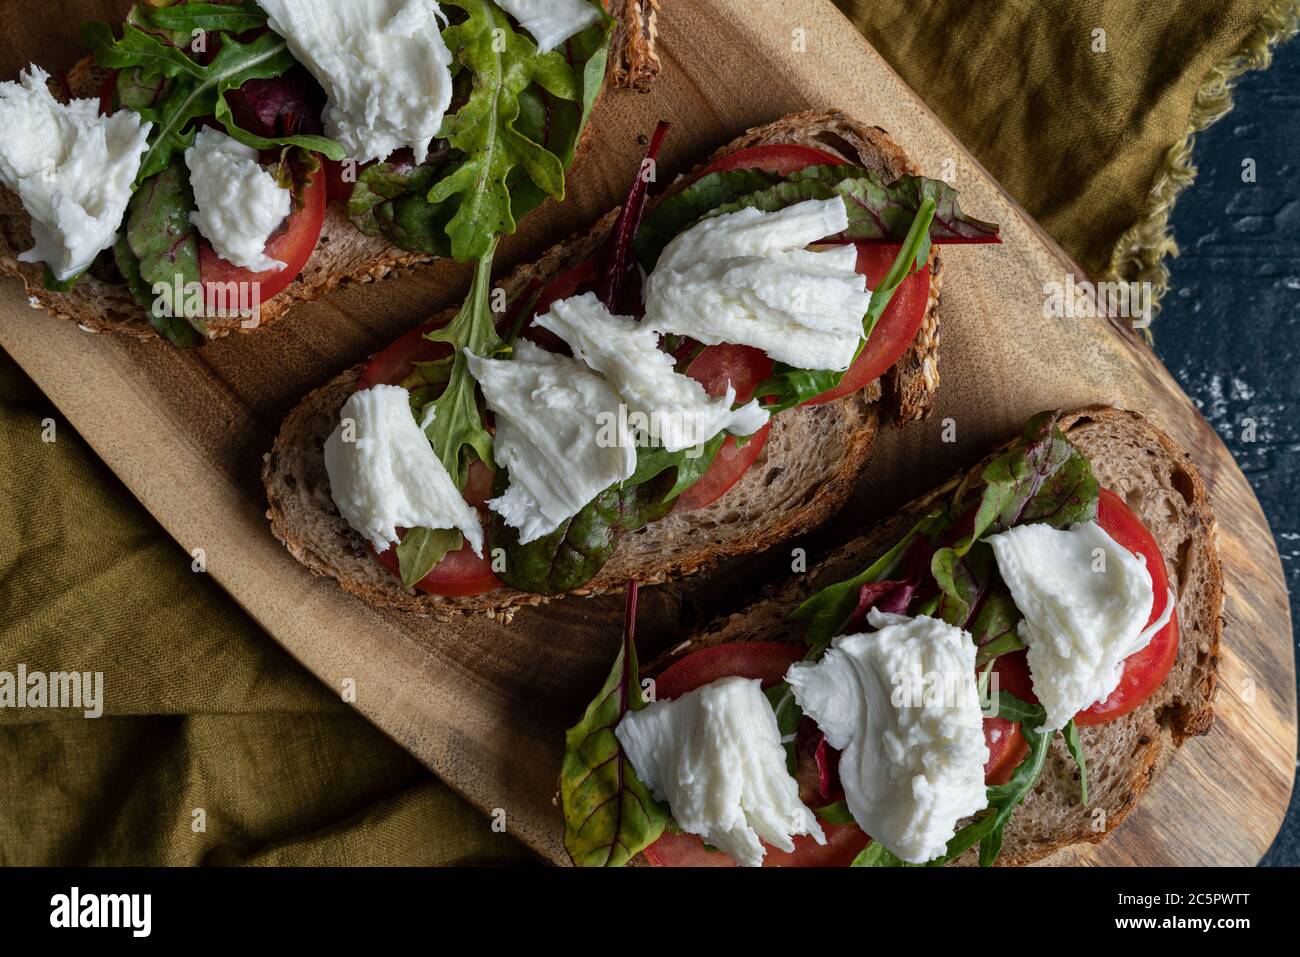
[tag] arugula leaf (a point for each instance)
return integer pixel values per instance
(788, 387)
(609, 814)
(837, 813)
(163, 252)
(193, 90)
(185, 18)
(876, 854)
(1072, 744)
(503, 63)
(422, 548)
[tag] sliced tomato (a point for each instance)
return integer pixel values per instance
(897, 326)
(768, 661)
(742, 367)
(459, 575)
(843, 843)
(779, 158)
(292, 244)
(396, 364)
(1144, 671)
(1007, 747)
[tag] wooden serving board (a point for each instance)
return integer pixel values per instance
(484, 704)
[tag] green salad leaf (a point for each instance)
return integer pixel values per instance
(192, 90)
(184, 18)
(609, 814)
(504, 64)
(160, 250)
(422, 548)
(453, 421)
(1072, 744)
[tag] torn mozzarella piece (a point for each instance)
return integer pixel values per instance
(901, 705)
(1086, 601)
(240, 204)
(747, 278)
(384, 474)
(559, 434)
(551, 22)
(672, 409)
(715, 755)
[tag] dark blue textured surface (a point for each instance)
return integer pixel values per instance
(1230, 331)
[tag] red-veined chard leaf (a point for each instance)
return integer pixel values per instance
(609, 814)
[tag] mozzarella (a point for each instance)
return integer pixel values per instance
(383, 64)
(745, 277)
(73, 169)
(384, 474)
(715, 755)
(551, 22)
(558, 432)
(239, 203)
(672, 409)
(901, 705)
(1085, 600)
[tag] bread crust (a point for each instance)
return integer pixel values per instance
(1159, 482)
(791, 492)
(344, 255)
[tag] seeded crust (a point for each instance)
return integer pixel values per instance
(804, 475)
(344, 255)
(1160, 484)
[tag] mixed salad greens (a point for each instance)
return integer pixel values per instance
(942, 567)
(506, 142)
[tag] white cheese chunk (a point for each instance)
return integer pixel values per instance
(239, 202)
(551, 22)
(384, 474)
(901, 705)
(558, 433)
(1086, 601)
(746, 278)
(673, 410)
(73, 170)
(383, 64)
(715, 755)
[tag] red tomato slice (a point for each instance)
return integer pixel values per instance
(843, 843)
(292, 244)
(1144, 671)
(459, 575)
(396, 364)
(744, 368)
(1007, 747)
(897, 326)
(780, 158)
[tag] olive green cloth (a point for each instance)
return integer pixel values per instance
(216, 747)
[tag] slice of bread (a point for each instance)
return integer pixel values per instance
(804, 475)
(344, 255)
(1160, 484)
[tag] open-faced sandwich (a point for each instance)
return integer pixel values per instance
(995, 673)
(694, 378)
(214, 164)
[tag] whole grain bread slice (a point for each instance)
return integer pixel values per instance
(805, 473)
(344, 254)
(1160, 484)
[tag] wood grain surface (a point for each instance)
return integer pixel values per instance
(483, 704)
